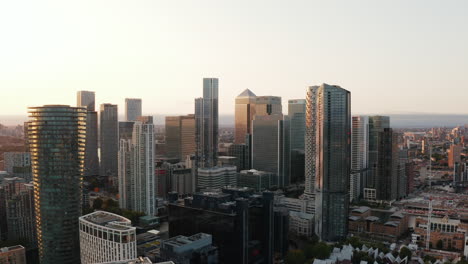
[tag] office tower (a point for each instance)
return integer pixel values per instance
(197, 248)
(182, 180)
(402, 176)
(376, 125)
(268, 145)
(18, 164)
(14, 255)
(268, 105)
(126, 130)
(19, 202)
(454, 155)
(359, 155)
(296, 113)
(206, 128)
(106, 237)
(328, 158)
(132, 109)
(242, 153)
(86, 99)
(109, 140)
(216, 177)
(387, 170)
(125, 173)
(143, 167)
(240, 222)
(180, 136)
(57, 142)
(244, 113)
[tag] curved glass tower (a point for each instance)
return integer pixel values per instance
(57, 144)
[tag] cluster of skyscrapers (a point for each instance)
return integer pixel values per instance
(339, 158)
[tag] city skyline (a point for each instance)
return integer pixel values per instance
(379, 57)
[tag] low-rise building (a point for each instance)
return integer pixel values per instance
(187, 250)
(446, 233)
(216, 177)
(106, 237)
(301, 224)
(13, 255)
(257, 180)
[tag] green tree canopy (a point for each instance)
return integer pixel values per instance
(295, 257)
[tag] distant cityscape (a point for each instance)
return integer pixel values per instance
(81, 184)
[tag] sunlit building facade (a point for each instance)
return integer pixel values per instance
(57, 135)
(328, 158)
(180, 136)
(244, 113)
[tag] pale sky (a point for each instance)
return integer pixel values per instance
(394, 56)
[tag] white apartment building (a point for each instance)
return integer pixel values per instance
(106, 237)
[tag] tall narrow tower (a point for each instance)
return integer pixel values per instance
(57, 143)
(109, 140)
(87, 99)
(206, 118)
(132, 109)
(328, 158)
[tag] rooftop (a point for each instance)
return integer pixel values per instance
(107, 219)
(246, 93)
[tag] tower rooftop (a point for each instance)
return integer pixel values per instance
(246, 93)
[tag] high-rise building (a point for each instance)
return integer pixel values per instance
(269, 147)
(296, 113)
(86, 99)
(254, 179)
(268, 105)
(180, 136)
(109, 140)
(143, 166)
(19, 202)
(13, 255)
(242, 153)
(18, 164)
(359, 155)
(132, 109)
(244, 113)
(106, 237)
(328, 158)
(206, 128)
(454, 155)
(57, 143)
(126, 130)
(125, 173)
(377, 124)
(388, 161)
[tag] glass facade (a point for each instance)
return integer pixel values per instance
(244, 113)
(206, 118)
(109, 140)
(57, 136)
(329, 130)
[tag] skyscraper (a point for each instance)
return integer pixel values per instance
(268, 105)
(388, 162)
(244, 113)
(359, 155)
(296, 113)
(132, 109)
(327, 155)
(87, 99)
(57, 143)
(143, 169)
(377, 124)
(206, 118)
(125, 173)
(268, 146)
(180, 136)
(109, 140)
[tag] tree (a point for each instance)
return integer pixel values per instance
(405, 252)
(309, 251)
(440, 244)
(295, 257)
(355, 242)
(321, 251)
(97, 204)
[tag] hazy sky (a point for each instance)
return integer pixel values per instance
(394, 56)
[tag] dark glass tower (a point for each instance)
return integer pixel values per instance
(109, 140)
(57, 144)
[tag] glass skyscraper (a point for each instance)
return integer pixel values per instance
(57, 144)
(328, 158)
(109, 140)
(206, 127)
(87, 99)
(132, 109)
(244, 113)
(296, 113)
